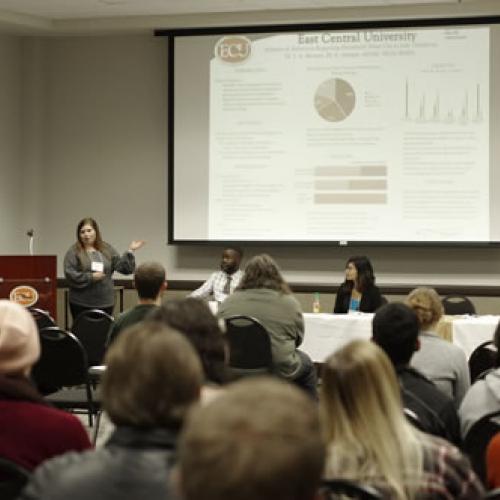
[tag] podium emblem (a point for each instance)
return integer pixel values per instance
(24, 295)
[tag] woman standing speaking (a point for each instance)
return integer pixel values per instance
(89, 265)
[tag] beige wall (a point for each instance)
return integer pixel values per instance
(93, 133)
(11, 201)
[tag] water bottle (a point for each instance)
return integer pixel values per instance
(316, 304)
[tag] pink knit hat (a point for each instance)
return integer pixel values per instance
(19, 343)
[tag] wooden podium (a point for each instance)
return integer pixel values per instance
(30, 280)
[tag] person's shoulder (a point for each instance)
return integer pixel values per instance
(214, 275)
(71, 251)
(60, 475)
(423, 386)
(373, 290)
(57, 420)
(107, 247)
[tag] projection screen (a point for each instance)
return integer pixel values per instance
(356, 133)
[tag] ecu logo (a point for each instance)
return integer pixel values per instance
(233, 49)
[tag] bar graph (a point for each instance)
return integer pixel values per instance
(462, 106)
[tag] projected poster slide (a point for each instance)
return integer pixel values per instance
(365, 135)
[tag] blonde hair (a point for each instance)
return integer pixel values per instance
(427, 306)
(369, 439)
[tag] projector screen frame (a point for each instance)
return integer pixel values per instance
(172, 34)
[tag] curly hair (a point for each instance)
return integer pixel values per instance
(427, 306)
(262, 272)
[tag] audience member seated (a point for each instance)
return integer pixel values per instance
(223, 283)
(358, 292)
(31, 431)
(484, 395)
(493, 462)
(370, 441)
(153, 378)
(264, 295)
(260, 440)
(193, 318)
(150, 283)
(395, 330)
(442, 362)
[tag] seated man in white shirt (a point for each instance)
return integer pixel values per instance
(222, 283)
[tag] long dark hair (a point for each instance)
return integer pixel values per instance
(262, 271)
(366, 277)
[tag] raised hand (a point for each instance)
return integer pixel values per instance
(135, 245)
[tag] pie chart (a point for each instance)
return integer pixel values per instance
(334, 99)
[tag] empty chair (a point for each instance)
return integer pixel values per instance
(477, 439)
(91, 328)
(482, 360)
(249, 346)
(458, 304)
(63, 364)
(13, 477)
(342, 488)
(42, 318)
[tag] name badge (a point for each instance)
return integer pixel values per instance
(97, 267)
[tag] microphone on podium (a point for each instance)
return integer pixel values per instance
(30, 233)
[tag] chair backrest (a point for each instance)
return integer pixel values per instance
(42, 318)
(91, 328)
(457, 304)
(482, 359)
(342, 488)
(477, 439)
(13, 477)
(62, 363)
(249, 344)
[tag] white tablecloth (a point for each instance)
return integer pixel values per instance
(325, 333)
(472, 331)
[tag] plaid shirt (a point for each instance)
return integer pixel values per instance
(447, 474)
(215, 285)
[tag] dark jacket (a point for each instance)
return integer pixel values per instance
(435, 411)
(134, 465)
(371, 299)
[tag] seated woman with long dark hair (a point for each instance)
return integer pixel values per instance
(369, 439)
(358, 292)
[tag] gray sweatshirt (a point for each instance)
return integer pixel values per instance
(83, 291)
(444, 363)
